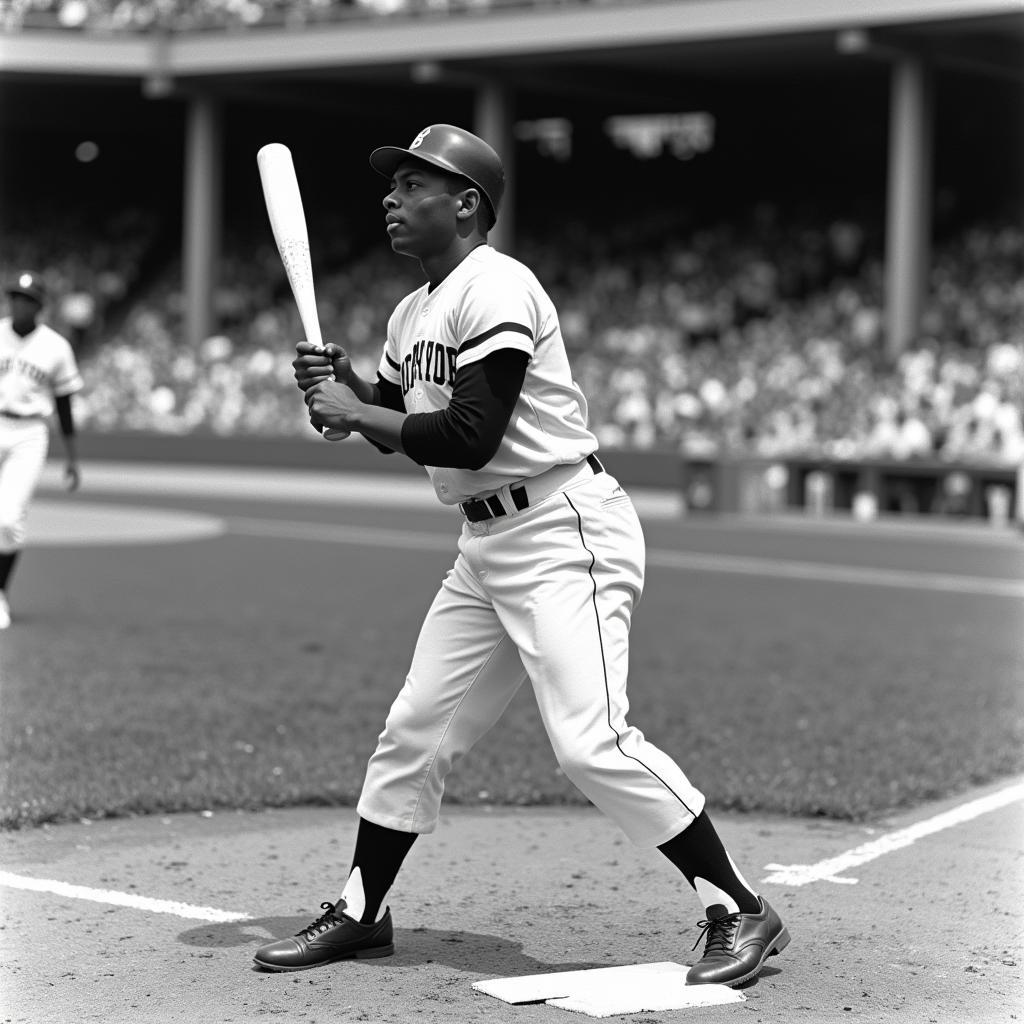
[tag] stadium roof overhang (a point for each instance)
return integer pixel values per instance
(648, 55)
(620, 45)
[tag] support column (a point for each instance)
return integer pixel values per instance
(908, 213)
(493, 122)
(202, 217)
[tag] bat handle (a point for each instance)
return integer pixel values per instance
(333, 434)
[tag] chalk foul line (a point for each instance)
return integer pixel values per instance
(831, 870)
(781, 874)
(119, 899)
(730, 564)
(827, 573)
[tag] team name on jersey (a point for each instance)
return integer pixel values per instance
(11, 364)
(428, 361)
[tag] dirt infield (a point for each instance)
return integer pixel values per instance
(927, 933)
(907, 916)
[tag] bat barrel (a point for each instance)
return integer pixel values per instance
(288, 223)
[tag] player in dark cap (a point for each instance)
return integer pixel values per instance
(38, 374)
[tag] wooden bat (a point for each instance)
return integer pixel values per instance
(288, 222)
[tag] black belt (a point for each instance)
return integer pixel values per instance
(480, 509)
(20, 416)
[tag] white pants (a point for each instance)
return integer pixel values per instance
(23, 447)
(545, 594)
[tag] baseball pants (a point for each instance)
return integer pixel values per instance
(23, 448)
(545, 594)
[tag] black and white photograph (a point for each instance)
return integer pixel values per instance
(511, 511)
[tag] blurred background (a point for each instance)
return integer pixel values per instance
(785, 239)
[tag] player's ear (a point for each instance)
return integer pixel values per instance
(467, 204)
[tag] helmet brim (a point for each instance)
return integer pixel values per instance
(386, 160)
(25, 293)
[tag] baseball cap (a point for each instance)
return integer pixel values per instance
(29, 283)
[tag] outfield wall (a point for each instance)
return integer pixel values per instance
(641, 469)
(867, 488)
(747, 485)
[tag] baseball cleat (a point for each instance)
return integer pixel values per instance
(737, 945)
(332, 936)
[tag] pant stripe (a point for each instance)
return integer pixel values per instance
(604, 667)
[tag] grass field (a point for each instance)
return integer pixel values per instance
(255, 668)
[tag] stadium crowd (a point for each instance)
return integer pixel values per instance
(104, 16)
(87, 271)
(763, 340)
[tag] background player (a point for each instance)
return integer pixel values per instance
(475, 385)
(38, 372)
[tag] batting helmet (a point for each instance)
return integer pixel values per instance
(29, 283)
(454, 150)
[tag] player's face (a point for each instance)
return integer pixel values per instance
(24, 310)
(420, 211)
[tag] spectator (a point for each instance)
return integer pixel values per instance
(757, 340)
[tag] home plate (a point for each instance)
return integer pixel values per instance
(607, 991)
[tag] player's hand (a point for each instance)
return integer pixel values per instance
(72, 476)
(340, 362)
(332, 406)
(313, 365)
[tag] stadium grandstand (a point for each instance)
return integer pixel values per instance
(188, 16)
(790, 232)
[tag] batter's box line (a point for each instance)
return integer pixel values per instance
(831, 870)
(112, 897)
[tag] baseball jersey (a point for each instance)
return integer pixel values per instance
(487, 303)
(35, 369)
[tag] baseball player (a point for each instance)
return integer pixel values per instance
(474, 385)
(38, 372)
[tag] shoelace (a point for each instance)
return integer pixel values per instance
(322, 923)
(719, 933)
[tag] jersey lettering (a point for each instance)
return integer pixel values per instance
(35, 369)
(429, 361)
(24, 368)
(489, 303)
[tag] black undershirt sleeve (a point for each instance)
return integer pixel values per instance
(390, 395)
(67, 422)
(467, 434)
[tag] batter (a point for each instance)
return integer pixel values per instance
(474, 384)
(38, 373)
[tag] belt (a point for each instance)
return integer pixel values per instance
(480, 509)
(20, 415)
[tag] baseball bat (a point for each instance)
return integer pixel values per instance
(288, 222)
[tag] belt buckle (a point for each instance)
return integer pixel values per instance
(476, 510)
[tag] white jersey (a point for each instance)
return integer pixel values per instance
(490, 302)
(34, 370)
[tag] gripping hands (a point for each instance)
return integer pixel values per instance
(323, 375)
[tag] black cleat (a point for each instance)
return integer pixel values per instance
(737, 946)
(332, 936)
